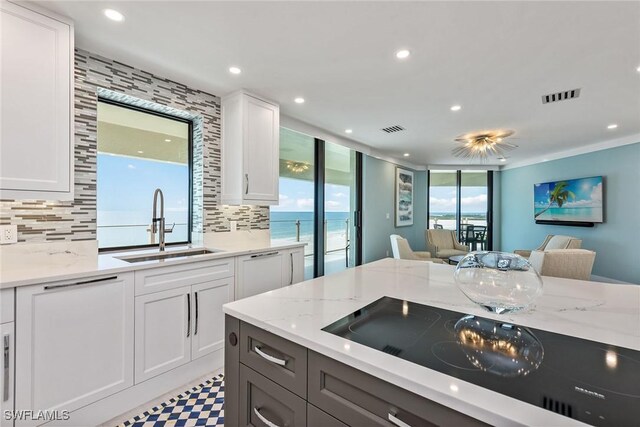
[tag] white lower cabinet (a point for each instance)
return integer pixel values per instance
(293, 265)
(74, 342)
(163, 332)
(80, 344)
(208, 330)
(261, 272)
(266, 271)
(7, 365)
(177, 326)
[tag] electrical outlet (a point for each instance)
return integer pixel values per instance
(388, 216)
(8, 234)
(387, 253)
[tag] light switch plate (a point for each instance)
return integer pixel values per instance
(8, 234)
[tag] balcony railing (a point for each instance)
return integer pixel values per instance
(336, 234)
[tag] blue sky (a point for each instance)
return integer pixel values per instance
(443, 199)
(296, 195)
(126, 185)
(588, 193)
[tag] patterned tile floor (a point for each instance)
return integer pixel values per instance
(200, 406)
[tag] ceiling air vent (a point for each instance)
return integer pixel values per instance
(392, 129)
(560, 96)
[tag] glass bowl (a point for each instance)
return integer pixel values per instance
(502, 349)
(500, 282)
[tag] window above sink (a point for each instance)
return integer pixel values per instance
(138, 151)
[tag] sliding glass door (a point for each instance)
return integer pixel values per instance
(292, 220)
(339, 204)
(462, 201)
(443, 200)
(319, 202)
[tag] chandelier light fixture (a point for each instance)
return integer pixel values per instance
(297, 167)
(480, 145)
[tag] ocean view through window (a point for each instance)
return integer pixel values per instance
(140, 151)
(294, 218)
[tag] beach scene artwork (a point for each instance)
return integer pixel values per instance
(577, 200)
(404, 197)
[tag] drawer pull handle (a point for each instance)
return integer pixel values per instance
(263, 419)
(269, 357)
(265, 254)
(188, 315)
(291, 256)
(5, 368)
(85, 282)
(397, 421)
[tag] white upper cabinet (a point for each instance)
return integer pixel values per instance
(36, 136)
(250, 150)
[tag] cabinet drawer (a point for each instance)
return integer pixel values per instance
(6, 305)
(357, 398)
(165, 278)
(265, 403)
(318, 418)
(274, 357)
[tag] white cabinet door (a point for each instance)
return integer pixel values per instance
(250, 150)
(262, 150)
(293, 266)
(163, 332)
(7, 363)
(36, 137)
(259, 273)
(6, 305)
(208, 317)
(74, 341)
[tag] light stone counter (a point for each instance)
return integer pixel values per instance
(28, 264)
(602, 312)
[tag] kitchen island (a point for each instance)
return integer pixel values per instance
(286, 326)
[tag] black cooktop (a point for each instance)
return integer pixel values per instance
(595, 383)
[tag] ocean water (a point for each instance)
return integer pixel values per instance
(283, 224)
(585, 214)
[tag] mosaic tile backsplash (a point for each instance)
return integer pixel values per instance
(39, 220)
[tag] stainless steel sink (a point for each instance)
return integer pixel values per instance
(166, 255)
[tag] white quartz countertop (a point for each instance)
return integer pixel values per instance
(601, 312)
(34, 264)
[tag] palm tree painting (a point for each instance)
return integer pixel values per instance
(559, 195)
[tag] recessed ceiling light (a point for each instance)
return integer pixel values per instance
(299, 100)
(402, 54)
(612, 126)
(235, 70)
(456, 108)
(502, 159)
(638, 69)
(167, 140)
(406, 154)
(348, 131)
(140, 152)
(114, 15)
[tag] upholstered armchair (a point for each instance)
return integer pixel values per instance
(567, 263)
(443, 243)
(402, 250)
(553, 242)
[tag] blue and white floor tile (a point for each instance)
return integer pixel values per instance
(200, 406)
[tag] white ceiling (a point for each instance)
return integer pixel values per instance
(495, 59)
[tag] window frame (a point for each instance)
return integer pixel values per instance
(190, 166)
(489, 219)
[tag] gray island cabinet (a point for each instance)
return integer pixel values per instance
(270, 381)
